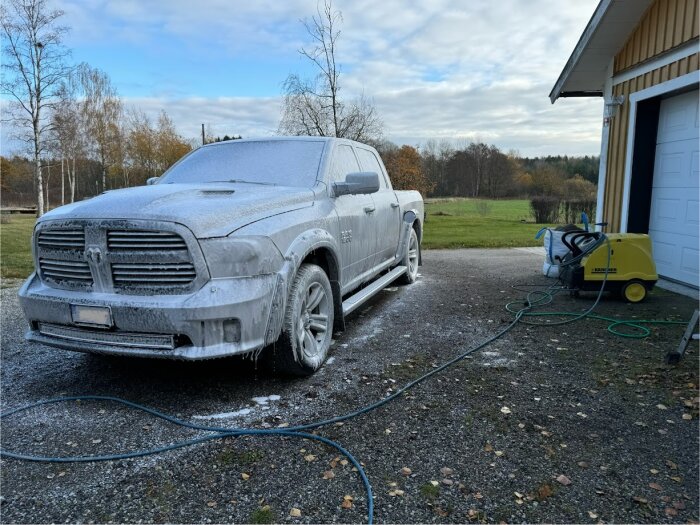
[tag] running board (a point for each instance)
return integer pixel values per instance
(353, 302)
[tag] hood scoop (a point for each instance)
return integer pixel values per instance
(216, 193)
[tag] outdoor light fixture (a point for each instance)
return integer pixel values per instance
(611, 106)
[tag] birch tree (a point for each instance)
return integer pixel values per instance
(102, 114)
(33, 68)
(67, 127)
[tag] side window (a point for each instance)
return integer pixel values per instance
(344, 162)
(370, 163)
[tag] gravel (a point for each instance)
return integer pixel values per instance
(547, 424)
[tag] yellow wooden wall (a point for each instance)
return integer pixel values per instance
(666, 25)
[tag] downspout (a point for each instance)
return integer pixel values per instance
(604, 141)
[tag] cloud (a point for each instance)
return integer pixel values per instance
(438, 69)
(250, 117)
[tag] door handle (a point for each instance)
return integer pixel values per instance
(394, 204)
(369, 209)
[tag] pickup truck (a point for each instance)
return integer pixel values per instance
(257, 246)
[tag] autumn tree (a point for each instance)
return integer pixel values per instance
(33, 69)
(151, 148)
(16, 183)
(171, 146)
(406, 170)
(314, 106)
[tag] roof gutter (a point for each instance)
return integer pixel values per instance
(571, 64)
(565, 94)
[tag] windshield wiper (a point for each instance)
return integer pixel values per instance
(243, 181)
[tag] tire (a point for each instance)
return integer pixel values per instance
(411, 259)
(634, 291)
(308, 325)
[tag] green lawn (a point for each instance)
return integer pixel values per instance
(15, 245)
(479, 223)
(451, 223)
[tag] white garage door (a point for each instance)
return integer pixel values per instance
(673, 221)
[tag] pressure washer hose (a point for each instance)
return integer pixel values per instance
(532, 299)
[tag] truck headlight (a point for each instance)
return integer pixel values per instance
(241, 256)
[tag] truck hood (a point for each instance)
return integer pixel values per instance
(208, 210)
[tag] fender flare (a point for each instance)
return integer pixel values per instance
(300, 248)
(409, 218)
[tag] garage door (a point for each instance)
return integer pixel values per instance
(673, 221)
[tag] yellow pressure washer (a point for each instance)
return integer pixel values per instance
(631, 271)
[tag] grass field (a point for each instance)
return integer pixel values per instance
(451, 223)
(15, 245)
(479, 223)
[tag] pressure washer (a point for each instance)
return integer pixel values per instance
(580, 259)
(630, 272)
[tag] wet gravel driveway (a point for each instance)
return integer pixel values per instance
(553, 424)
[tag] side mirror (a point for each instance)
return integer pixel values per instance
(357, 183)
(152, 181)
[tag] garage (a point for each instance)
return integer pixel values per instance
(642, 58)
(673, 219)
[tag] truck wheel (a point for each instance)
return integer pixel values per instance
(634, 291)
(410, 259)
(308, 324)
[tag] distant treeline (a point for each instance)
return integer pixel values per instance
(436, 169)
(481, 170)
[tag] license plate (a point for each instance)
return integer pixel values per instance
(91, 315)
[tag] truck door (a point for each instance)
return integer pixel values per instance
(356, 219)
(387, 211)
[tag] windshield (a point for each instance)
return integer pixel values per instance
(278, 162)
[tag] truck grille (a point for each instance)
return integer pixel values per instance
(116, 256)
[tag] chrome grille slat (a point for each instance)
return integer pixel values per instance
(67, 264)
(145, 280)
(66, 271)
(154, 246)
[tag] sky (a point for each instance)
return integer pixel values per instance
(461, 70)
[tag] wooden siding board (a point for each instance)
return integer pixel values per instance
(636, 55)
(678, 26)
(659, 29)
(687, 30)
(671, 8)
(666, 25)
(644, 38)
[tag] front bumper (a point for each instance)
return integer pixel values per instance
(227, 316)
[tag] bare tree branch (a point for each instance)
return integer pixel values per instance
(314, 107)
